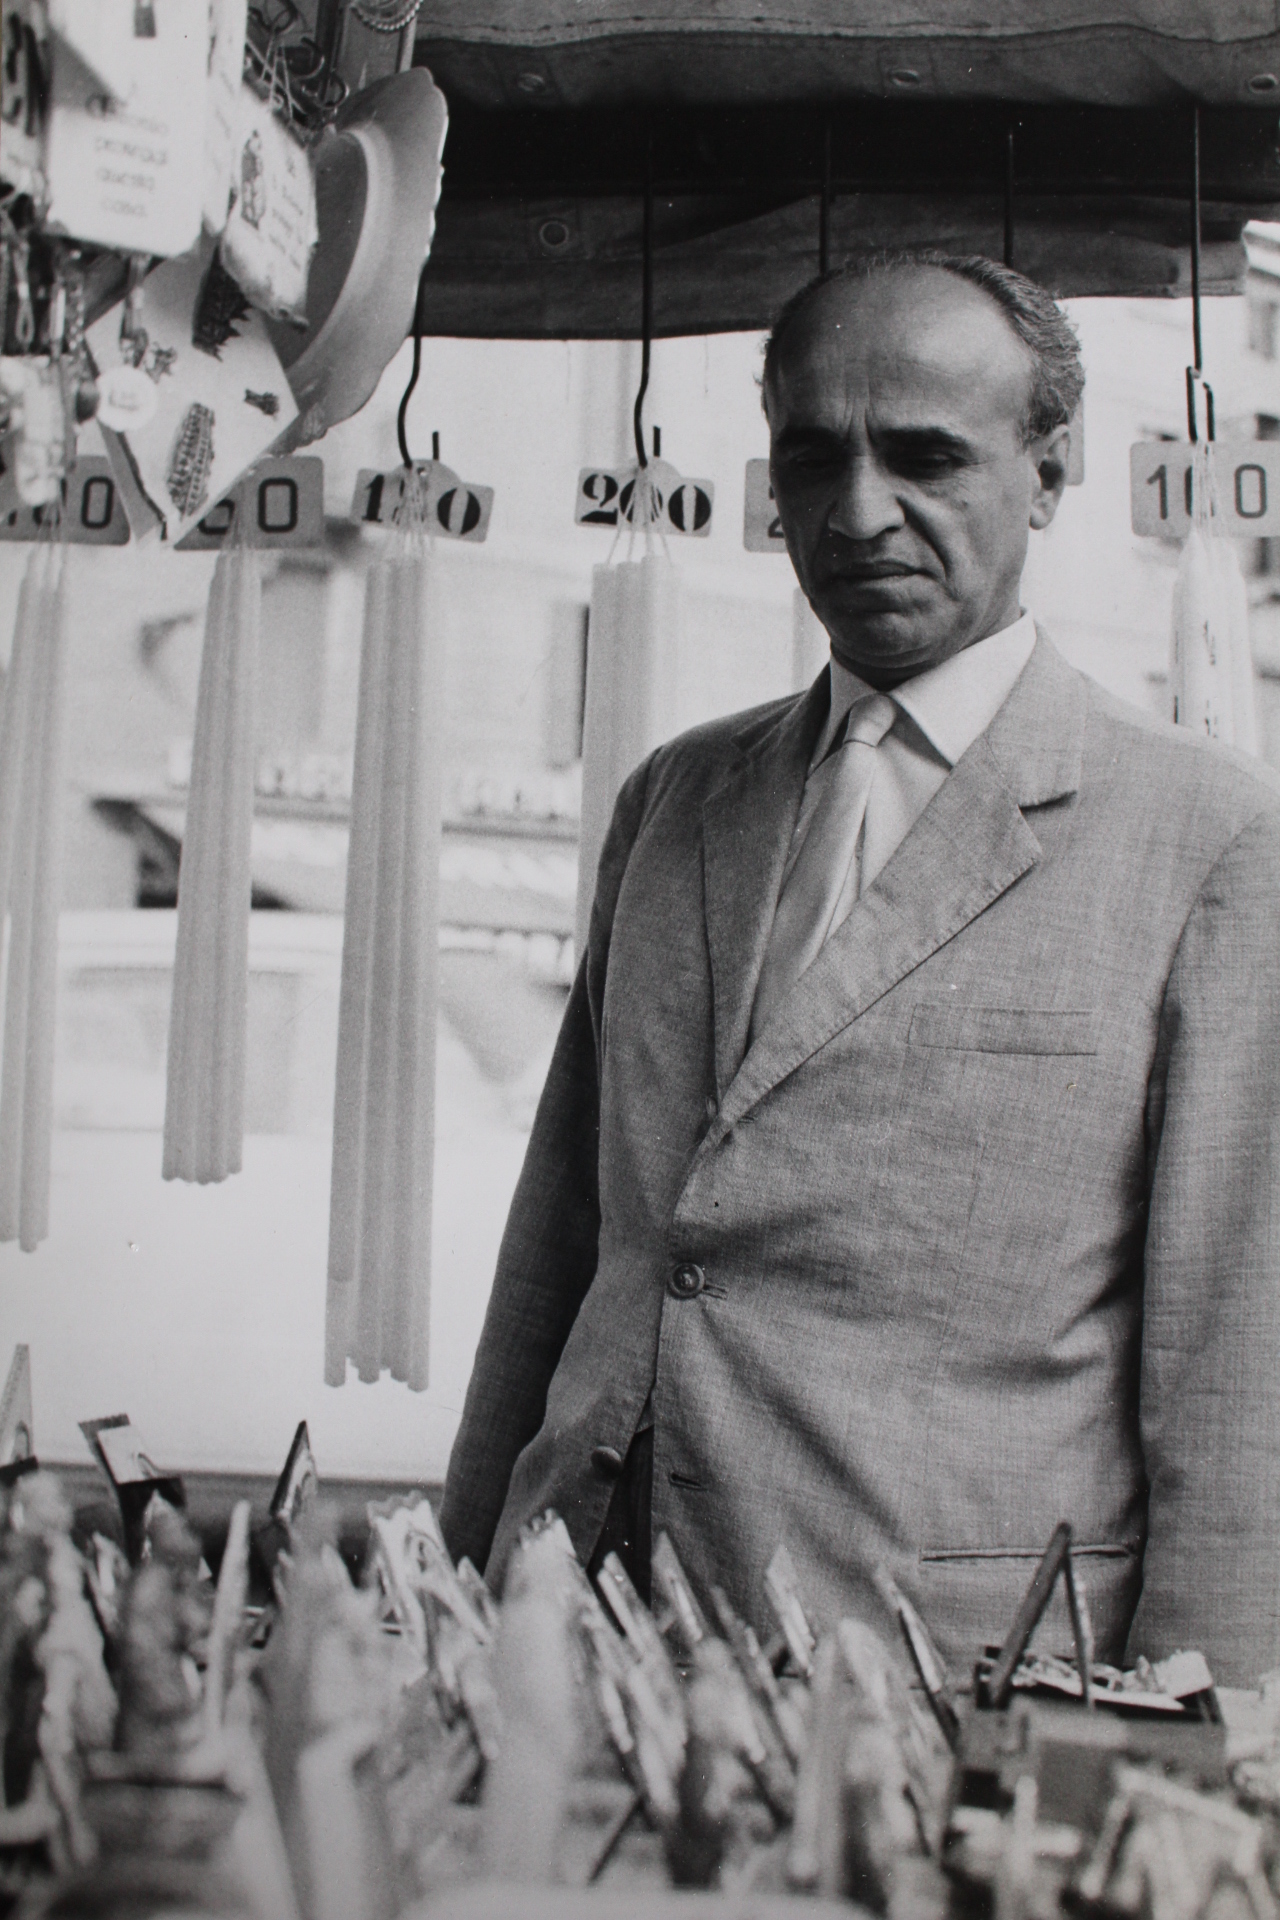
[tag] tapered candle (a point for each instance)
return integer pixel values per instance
(204, 1105)
(384, 1102)
(632, 650)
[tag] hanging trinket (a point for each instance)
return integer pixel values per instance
(127, 393)
(81, 389)
(32, 393)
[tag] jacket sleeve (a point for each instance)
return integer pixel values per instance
(1209, 1397)
(547, 1259)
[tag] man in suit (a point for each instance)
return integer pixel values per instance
(905, 1177)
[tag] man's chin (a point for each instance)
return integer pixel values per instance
(887, 640)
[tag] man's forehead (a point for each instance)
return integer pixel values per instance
(913, 336)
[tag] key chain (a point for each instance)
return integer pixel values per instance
(127, 397)
(83, 394)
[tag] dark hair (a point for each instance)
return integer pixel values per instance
(1033, 314)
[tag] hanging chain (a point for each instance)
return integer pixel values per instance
(386, 16)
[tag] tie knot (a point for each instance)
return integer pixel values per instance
(870, 720)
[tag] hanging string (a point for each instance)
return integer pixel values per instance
(1008, 196)
(32, 749)
(646, 304)
(1195, 372)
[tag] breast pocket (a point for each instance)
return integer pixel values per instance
(1025, 1030)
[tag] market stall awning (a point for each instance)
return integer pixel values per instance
(1107, 52)
(557, 107)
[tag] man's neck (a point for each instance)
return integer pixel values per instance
(884, 678)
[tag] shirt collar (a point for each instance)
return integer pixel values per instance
(952, 703)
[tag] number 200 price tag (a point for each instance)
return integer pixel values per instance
(1247, 473)
(606, 497)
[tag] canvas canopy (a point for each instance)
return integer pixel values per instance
(558, 106)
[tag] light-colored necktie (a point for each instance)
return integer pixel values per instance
(813, 886)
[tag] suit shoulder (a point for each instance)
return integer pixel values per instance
(1172, 766)
(705, 747)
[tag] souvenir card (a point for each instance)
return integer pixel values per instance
(296, 1487)
(270, 232)
(125, 147)
(220, 394)
(120, 1452)
(221, 108)
(24, 89)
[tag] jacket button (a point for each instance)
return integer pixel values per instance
(687, 1280)
(607, 1462)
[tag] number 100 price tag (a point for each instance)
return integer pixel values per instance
(1247, 483)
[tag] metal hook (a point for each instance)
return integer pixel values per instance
(646, 302)
(413, 377)
(1195, 372)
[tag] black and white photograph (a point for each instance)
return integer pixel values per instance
(639, 960)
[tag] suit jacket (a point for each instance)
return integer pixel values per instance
(987, 1220)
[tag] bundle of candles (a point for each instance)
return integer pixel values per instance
(384, 1101)
(32, 731)
(289, 1746)
(632, 647)
(204, 1101)
(1211, 666)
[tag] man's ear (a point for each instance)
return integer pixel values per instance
(1048, 456)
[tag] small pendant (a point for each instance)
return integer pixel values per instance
(127, 399)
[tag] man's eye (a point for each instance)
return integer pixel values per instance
(810, 460)
(926, 464)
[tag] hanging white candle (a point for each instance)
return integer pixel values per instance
(1238, 671)
(32, 733)
(1199, 677)
(632, 649)
(204, 1102)
(378, 1305)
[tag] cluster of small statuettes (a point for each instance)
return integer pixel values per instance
(342, 1751)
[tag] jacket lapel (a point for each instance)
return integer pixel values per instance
(747, 826)
(967, 848)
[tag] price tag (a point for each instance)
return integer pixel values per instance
(95, 512)
(606, 497)
(455, 508)
(1247, 476)
(761, 527)
(281, 501)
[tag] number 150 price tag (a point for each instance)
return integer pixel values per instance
(1247, 473)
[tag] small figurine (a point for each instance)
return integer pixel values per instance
(164, 1626)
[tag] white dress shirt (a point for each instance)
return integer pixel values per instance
(942, 713)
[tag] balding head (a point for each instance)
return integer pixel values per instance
(1030, 312)
(901, 405)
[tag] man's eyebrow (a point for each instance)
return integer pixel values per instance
(926, 436)
(797, 436)
(923, 436)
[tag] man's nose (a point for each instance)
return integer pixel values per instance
(866, 504)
